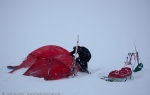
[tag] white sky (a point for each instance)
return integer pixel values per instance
(104, 26)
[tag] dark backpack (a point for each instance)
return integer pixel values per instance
(88, 54)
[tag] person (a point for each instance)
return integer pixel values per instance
(83, 58)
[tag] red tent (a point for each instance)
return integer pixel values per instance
(49, 62)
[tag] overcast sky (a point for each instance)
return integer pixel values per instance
(28, 24)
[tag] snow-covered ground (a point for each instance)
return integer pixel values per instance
(108, 28)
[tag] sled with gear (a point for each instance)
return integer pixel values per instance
(119, 75)
(126, 72)
(50, 62)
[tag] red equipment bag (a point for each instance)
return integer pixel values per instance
(123, 73)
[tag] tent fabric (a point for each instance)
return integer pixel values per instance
(49, 62)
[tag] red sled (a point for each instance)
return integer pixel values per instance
(119, 75)
(123, 73)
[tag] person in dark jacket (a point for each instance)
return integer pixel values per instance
(83, 58)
